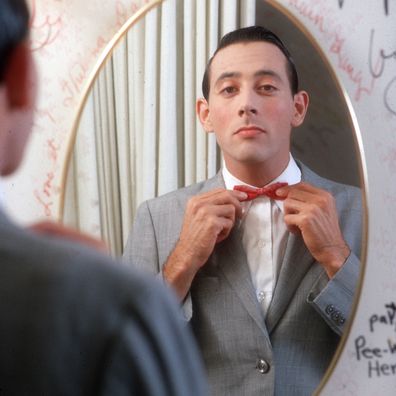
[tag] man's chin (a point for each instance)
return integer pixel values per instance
(252, 159)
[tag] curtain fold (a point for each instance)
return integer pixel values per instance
(147, 177)
(139, 136)
(167, 175)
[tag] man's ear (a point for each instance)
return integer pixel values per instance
(301, 102)
(18, 77)
(203, 113)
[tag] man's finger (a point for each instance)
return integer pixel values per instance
(298, 190)
(219, 198)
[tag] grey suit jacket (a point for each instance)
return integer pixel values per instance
(285, 353)
(75, 323)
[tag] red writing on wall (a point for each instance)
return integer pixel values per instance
(78, 73)
(43, 196)
(336, 44)
(45, 31)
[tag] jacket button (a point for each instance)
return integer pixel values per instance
(335, 316)
(330, 309)
(262, 366)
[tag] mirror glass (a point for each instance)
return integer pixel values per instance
(138, 136)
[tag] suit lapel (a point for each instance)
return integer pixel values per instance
(214, 182)
(231, 260)
(295, 264)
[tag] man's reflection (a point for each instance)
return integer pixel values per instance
(267, 284)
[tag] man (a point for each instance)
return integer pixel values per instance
(267, 284)
(72, 322)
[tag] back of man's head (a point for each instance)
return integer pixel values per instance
(248, 35)
(14, 24)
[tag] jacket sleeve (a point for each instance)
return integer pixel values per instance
(334, 298)
(334, 301)
(141, 250)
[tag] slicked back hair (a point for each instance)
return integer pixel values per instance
(14, 26)
(248, 35)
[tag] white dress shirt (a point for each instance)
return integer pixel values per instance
(264, 233)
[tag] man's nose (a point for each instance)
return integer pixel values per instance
(247, 109)
(248, 103)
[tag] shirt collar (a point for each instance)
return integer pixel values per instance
(291, 175)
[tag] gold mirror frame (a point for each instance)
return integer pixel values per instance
(107, 52)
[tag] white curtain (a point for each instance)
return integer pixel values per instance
(139, 136)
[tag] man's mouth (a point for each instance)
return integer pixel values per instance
(250, 131)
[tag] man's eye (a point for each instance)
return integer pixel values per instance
(267, 88)
(228, 90)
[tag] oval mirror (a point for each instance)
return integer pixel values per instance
(138, 136)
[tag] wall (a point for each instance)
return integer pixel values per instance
(359, 40)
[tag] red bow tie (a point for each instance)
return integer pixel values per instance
(268, 191)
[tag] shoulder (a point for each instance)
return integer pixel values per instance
(65, 280)
(179, 198)
(92, 310)
(332, 186)
(343, 193)
(69, 270)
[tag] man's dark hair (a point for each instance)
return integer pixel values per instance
(14, 26)
(247, 35)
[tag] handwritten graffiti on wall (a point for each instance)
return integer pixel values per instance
(50, 31)
(364, 80)
(383, 58)
(44, 28)
(380, 356)
(385, 3)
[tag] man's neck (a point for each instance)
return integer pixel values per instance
(257, 175)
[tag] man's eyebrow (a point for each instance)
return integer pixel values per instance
(265, 72)
(225, 75)
(259, 73)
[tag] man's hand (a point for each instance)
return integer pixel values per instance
(313, 212)
(208, 220)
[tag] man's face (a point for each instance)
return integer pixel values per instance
(251, 108)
